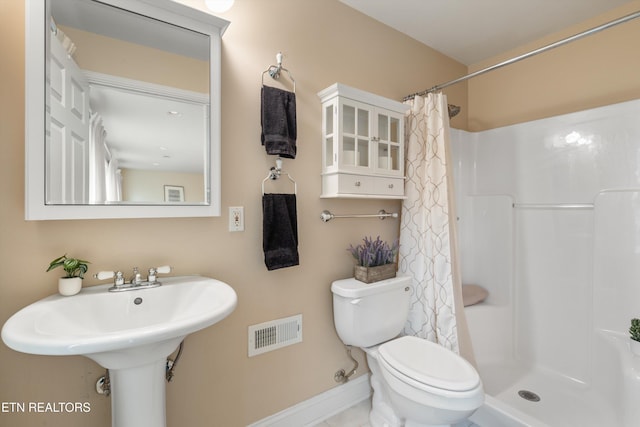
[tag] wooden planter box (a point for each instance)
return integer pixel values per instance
(374, 274)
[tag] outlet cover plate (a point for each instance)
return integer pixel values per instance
(236, 218)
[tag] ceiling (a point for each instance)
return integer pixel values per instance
(146, 131)
(470, 31)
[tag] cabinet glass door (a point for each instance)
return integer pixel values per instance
(355, 136)
(328, 136)
(388, 143)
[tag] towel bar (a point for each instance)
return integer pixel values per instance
(327, 216)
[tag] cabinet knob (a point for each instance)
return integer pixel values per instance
(390, 185)
(357, 183)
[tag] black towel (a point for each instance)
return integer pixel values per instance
(279, 231)
(278, 118)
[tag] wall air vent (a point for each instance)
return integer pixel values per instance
(275, 334)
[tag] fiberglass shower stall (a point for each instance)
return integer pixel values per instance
(549, 223)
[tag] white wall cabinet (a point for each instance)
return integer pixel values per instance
(362, 144)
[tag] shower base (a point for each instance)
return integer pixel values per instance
(608, 398)
(562, 403)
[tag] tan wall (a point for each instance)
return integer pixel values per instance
(216, 384)
(597, 70)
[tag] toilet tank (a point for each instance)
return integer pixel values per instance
(368, 314)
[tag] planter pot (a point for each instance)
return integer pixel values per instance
(634, 346)
(68, 286)
(374, 274)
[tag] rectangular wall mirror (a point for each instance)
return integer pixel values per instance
(122, 102)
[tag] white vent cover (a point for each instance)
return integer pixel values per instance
(275, 334)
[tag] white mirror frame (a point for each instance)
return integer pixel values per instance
(164, 10)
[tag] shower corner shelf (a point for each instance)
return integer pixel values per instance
(362, 144)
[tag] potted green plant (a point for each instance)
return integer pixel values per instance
(375, 259)
(71, 283)
(634, 334)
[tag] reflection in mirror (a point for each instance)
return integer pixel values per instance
(153, 137)
(125, 140)
(131, 100)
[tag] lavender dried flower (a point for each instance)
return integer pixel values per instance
(372, 253)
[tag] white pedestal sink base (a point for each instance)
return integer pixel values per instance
(138, 384)
(138, 395)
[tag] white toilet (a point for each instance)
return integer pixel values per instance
(415, 382)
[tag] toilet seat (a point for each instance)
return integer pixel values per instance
(428, 365)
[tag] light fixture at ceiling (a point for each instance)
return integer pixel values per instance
(219, 6)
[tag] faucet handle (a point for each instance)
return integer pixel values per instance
(154, 271)
(119, 279)
(163, 269)
(104, 275)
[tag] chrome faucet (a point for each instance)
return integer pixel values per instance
(136, 281)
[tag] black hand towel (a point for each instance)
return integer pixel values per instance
(279, 231)
(278, 118)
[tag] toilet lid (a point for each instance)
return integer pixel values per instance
(429, 363)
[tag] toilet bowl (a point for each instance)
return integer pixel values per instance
(416, 383)
(428, 384)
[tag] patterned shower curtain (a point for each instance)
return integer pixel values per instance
(427, 236)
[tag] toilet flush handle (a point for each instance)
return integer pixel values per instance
(356, 301)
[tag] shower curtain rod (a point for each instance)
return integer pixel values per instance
(559, 43)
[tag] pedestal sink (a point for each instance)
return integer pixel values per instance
(130, 333)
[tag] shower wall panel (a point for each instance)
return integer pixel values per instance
(563, 159)
(488, 256)
(553, 291)
(574, 182)
(616, 280)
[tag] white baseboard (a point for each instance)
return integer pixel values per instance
(320, 407)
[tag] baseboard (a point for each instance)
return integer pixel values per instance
(320, 407)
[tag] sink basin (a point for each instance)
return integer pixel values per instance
(130, 333)
(97, 321)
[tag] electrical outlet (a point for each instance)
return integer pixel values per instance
(236, 218)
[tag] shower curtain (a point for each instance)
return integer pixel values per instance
(428, 248)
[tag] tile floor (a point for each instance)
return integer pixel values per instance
(358, 416)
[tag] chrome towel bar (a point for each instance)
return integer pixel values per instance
(327, 216)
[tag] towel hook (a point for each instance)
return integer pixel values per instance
(274, 71)
(275, 172)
